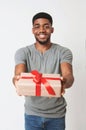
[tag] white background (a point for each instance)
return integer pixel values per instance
(15, 32)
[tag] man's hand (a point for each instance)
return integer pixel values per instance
(15, 79)
(63, 88)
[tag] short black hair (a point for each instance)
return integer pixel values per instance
(42, 15)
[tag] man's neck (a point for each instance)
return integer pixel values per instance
(42, 48)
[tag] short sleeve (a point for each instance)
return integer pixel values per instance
(66, 56)
(20, 56)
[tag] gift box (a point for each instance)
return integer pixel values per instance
(37, 84)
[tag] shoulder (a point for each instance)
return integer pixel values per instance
(61, 49)
(24, 50)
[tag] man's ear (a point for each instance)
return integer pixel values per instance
(32, 30)
(52, 30)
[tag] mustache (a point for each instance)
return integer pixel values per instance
(42, 33)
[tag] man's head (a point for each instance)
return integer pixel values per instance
(42, 15)
(42, 27)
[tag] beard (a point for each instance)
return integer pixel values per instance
(43, 42)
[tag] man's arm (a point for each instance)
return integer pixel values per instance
(18, 70)
(67, 75)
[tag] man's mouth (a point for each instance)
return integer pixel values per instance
(42, 36)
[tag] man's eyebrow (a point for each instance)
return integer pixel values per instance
(46, 24)
(36, 24)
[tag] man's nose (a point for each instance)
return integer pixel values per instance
(42, 29)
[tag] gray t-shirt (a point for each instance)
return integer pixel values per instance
(49, 62)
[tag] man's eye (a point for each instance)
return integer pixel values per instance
(36, 27)
(46, 26)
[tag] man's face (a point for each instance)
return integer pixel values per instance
(42, 30)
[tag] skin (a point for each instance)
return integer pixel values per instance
(42, 30)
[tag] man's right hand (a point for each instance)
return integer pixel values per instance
(15, 79)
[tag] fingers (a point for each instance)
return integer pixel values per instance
(17, 77)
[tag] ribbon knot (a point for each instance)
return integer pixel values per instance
(38, 79)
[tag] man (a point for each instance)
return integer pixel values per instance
(43, 113)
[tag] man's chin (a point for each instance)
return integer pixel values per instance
(43, 42)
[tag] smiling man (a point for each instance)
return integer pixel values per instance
(42, 30)
(43, 113)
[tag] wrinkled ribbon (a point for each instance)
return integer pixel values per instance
(38, 79)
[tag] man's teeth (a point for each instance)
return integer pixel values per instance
(42, 36)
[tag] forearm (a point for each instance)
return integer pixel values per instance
(67, 75)
(67, 81)
(18, 70)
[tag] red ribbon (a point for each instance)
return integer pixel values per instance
(38, 79)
